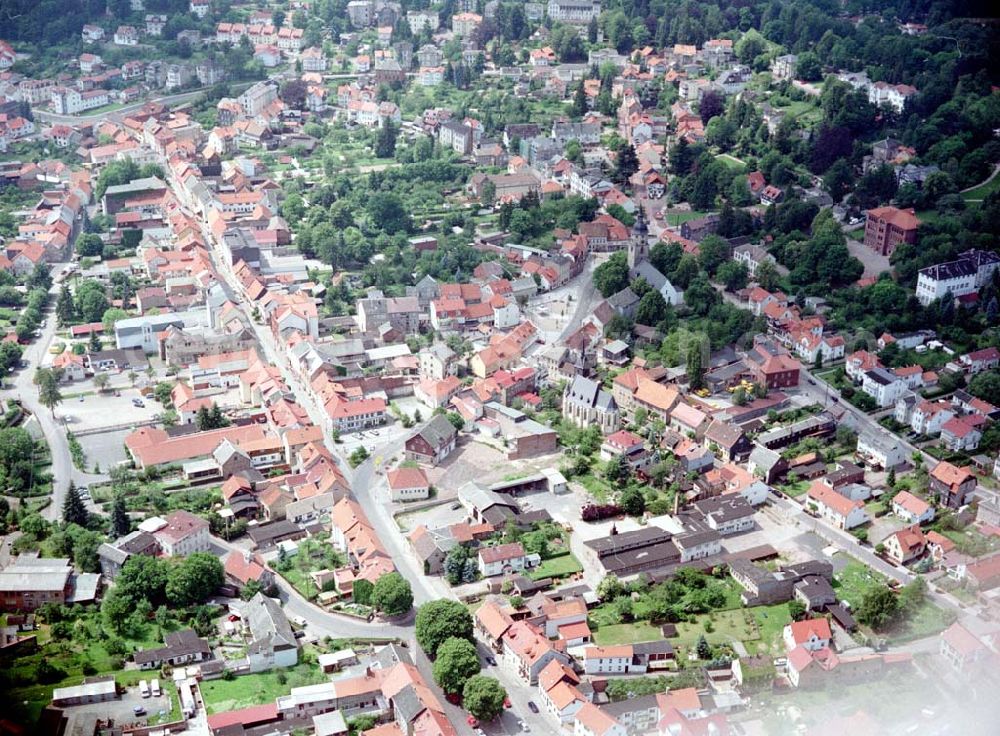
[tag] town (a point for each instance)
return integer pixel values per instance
(397, 369)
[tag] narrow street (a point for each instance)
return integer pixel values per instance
(22, 388)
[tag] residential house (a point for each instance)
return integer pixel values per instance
(835, 508)
(433, 442)
(951, 484)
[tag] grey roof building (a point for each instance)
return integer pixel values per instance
(585, 404)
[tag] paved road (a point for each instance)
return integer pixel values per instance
(53, 430)
(51, 117)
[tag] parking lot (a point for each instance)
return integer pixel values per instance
(121, 711)
(97, 411)
(105, 448)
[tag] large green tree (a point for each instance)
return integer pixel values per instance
(483, 697)
(74, 511)
(457, 661)
(392, 594)
(194, 579)
(440, 620)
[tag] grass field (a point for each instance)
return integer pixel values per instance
(726, 626)
(674, 219)
(263, 687)
(731, 162)
(626, 633)
(983, 190)
(556, 567)
(853, 581)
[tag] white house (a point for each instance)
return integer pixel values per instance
(876, 450)
(812, 634)
(181, 534)
(408, 484)
(592, 721)
(840, 511)
(911, 509)
(883, 386)
(501, 558)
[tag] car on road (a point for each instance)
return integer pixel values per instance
(491, 662)
(299, 620)
(506, 703)
(138, 402)
(456, 506)
(453, 698)
(523, 726)
(532, 707)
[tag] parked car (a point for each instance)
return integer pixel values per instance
(532, 707)
(472, 721)
(491, 662)
(139, 710)
(138, 402)
(506, 703)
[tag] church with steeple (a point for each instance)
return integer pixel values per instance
(639, 264)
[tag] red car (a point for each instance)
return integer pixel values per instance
(506, 703)
(454, 698)
(472, 721)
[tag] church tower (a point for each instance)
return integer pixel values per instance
(638, 246)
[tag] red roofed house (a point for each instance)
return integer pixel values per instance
(952, 484)
(526, 651)
(914, 510)
(592, 721)
(962, 648)
(813, 634)
(887, 227)
(408, 484)
(905, 545)
(838, 510)
(242, 567)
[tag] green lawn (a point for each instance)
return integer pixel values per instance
(926, 621)
(674, 219)
(264, 687)
(556, 567)
(771, 621)
(726, 626)
(796, 489)
(626, 633)
(983, 190)
(971, 542)
(853, 581)
(731, 162)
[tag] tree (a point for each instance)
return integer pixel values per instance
(194, 579)
(986, 386)
(457, 661)
(612, 275)
(10, 357)
(626, 165)
(362, 592)
(732, 275)
(74, 511)
(89, 245)
(110, 317)
(385, 141)
(703, 650)
(808, 67)
(48, 389)
(101, 381)
(652, 308)
(714, 251)
(695, 367)
(579, 101)
(440, 620)
(143, 578)
(879, 607)
(483, 697)
(392, 594)
(65, 306)
(766, 275)
(120, 522)
(632, 502)
(796, 609)
(711, 105)
(116, 608)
